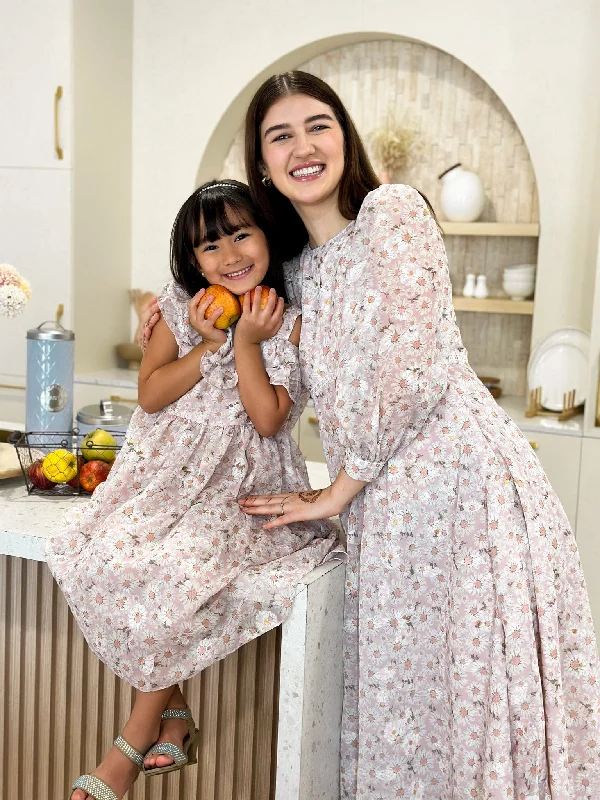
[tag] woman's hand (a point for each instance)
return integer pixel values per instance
(211, 336)
(148, 319)
(293, 506)
(258, 324)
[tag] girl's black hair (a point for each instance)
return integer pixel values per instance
(214, 210)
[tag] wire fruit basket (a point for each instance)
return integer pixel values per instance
(72, 451)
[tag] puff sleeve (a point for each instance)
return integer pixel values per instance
(393, 369)
(173, 304)
(281, 357)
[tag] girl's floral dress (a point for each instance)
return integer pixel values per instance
(162, 570)
(470, 660)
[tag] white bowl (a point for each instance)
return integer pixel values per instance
(518, 290)
(518, 276)
(523, 285)
(519, 268)
(525, 280)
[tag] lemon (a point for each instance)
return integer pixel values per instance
(60, 466)
(98, 445)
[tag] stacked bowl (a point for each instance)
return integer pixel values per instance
(519, 281)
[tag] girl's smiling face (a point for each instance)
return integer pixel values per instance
(239, 260)
(303, 149)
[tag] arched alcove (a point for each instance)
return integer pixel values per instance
(455, 116)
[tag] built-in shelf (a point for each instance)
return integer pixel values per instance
(493, 305)
(490, 228)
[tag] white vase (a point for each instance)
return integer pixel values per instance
(481, 291)
(469, 287)
(462, 197)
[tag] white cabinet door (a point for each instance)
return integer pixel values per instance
(560, 456)
(588, 522)
(35, 58)
(35, 237)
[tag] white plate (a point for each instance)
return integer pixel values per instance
(574, 336)
(559, 369)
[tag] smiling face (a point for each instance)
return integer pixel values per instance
(302, 147)
(238, 260)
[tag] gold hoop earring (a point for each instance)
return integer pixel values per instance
(266, 181)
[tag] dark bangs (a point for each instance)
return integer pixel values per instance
(218, 216)
(215, 210)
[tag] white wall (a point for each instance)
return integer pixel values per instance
(192, 60)
(102, 70)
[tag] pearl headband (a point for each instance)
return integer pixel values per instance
(216, 186)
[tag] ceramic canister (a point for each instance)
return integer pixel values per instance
(49, 392)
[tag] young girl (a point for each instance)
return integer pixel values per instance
(163, 571)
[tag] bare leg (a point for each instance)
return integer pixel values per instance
(171, 730)
(141, 731)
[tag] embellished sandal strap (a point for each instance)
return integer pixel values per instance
(168, 749)
(132, 754)
(181, 713)
(176, 713)
(95, 787)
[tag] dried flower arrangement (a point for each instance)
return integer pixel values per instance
(392, 148)
(15, 291)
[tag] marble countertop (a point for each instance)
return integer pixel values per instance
(515, 408)
(26, 520)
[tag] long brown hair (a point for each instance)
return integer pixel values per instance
(287, 234)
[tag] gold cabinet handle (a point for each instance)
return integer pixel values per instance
(313, 420)
(534, 445)
(57, 96)
(115, 398)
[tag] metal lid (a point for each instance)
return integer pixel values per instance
(104, 413)
(50, 331)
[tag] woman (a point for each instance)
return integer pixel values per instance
(471, 668)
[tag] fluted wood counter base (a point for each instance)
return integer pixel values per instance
(61, 707)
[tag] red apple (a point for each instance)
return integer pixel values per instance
(92, 474)
(74, 482)
(37, 477)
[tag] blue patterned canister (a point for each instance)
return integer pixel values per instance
(50, 361)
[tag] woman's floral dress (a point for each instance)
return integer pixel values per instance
(471, 668)
(162, 570)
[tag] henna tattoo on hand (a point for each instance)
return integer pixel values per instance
(310, 497)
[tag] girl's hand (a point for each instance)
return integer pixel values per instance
(148, 319)
(206, 327)
(293, 506)
(256, 325)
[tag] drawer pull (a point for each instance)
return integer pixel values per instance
(57, 96)
(534, 445)
(313, 420)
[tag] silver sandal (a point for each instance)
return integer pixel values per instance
(96, 788)
(181, 758)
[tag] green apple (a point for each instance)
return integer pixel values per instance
(98, 445)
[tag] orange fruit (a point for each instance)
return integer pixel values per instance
(232, 310)
(264, 296)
